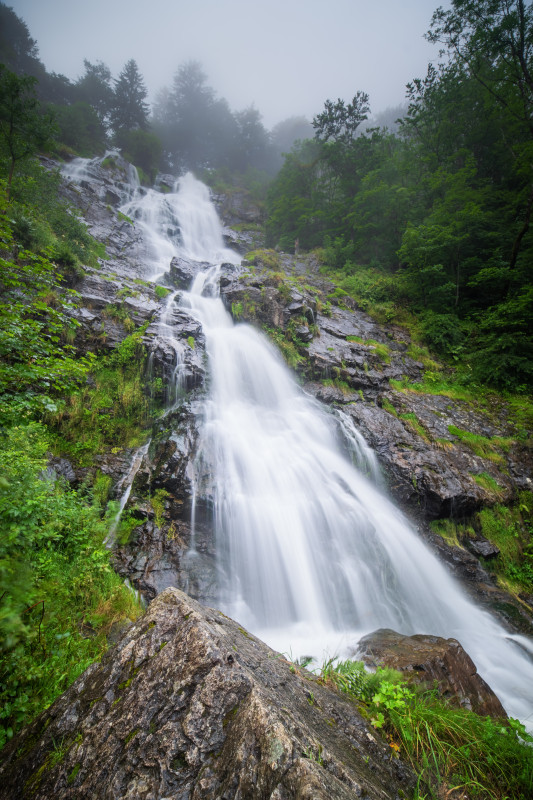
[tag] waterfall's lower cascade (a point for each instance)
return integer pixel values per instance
(311, 554)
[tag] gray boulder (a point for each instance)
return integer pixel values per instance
(190, 705)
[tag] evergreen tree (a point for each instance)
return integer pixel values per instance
(23, 128)
(130, 110)
(95, 89)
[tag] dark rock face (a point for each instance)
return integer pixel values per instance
(189, 705)
(183, 271)
(429, 659)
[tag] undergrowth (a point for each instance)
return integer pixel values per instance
(450, 749)
(112, 411)
(59, 596)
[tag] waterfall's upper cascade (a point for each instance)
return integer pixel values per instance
(170, 226)
(311, 554)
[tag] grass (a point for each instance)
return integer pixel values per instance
(488, 483)
(386, 405)
(336, 383)
(509, 527)
(454, 752)
(381, 350)
(415, 425)
(483, 446)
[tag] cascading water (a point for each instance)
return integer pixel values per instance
(311, 554)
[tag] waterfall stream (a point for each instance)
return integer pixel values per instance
(311, 553)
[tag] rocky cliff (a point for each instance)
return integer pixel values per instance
(342, 357)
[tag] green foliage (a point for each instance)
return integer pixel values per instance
(161, 291)
(339, 121)
(449, 748)
(37, 365)
(144, 149)
(482, 445)
(59, 595)
(111, 412)
(433, 224)
(80, 128)
(23, 128)
(288, 348)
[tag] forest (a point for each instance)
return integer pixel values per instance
(424, 222)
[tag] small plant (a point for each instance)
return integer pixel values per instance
(237, 310)
(162, 291)
(191, 342)
(157, 501)
(488, 483)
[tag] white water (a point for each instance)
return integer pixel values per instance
(311, 554)
(186, 215)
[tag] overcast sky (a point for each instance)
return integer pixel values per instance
(284, 56)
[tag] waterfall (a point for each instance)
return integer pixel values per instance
(311, 553)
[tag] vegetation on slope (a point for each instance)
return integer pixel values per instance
(434, 219)
(454, 752)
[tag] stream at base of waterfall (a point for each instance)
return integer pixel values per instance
(311, 554)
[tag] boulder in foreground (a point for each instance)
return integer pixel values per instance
(432, 659)
(190, 705)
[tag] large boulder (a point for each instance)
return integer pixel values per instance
(432, 660)
(190, 705)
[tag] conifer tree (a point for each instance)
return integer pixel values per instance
(130, 110)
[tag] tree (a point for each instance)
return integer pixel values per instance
(493, 40)
(130, 110)
(95, 89)
(339, 122)
(18, 51)
(253, 140)
(23, 128)
(80, 128)
(197, 129)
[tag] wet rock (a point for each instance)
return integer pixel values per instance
(184, 270)
(188, 704)
(482, 547)
(429, 660)
(62, 467)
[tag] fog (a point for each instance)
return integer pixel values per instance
(286, 57)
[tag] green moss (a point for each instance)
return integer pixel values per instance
(264, 258)
(481, 445)
(381, 350)
(386, 405)
(162, 291)
(415, 425)
(191, 342)
(72, 777)
(131, 735)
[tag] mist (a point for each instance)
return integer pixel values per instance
(285, 58)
